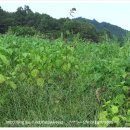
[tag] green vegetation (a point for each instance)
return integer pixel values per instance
(63, 72)
(43, 80)
(112, 30)
(89, 30)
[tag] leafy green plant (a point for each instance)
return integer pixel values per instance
(54, 80)
(22, 31)
(117, 108)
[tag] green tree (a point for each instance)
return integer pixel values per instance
(105, 35)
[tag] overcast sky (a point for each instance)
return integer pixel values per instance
(117, 13)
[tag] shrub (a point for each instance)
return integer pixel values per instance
(22, 31)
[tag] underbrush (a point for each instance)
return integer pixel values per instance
(55, 83)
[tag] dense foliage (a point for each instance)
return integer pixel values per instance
(114, 30)
(43, 80)
(52, 28)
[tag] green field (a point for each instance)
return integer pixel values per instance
(55, 82)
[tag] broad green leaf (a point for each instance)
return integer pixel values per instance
(103, 114)
(123, 82)
(12, 85)
(35, 73)
(97, 76)
(64, 58)
(108, 102)
(58, 63)
(25, 54)
(44, 59)
(22, 76)
(37, 58)
(71, 59)
(125, 88)
(50, 81)
(114, 109)
(76, 67)
(124, 75)
(128, 112)
(120, 99)
(30, 66)
(2, 78)
(66, 67)
(116, 120)
(122, 117)
(4, 59)
(103, 119)
(40, 82)
(17, 68)
(103, 122)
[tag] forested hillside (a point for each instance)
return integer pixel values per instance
(113, 29)
(89, 30)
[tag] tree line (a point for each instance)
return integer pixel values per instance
(26, 22)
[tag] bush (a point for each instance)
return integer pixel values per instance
(22, 31)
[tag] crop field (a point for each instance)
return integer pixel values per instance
(58, 83)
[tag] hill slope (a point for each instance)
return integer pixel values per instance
(115, 30)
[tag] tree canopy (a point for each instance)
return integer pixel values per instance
(49, 26)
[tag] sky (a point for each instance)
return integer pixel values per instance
(117, 13)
